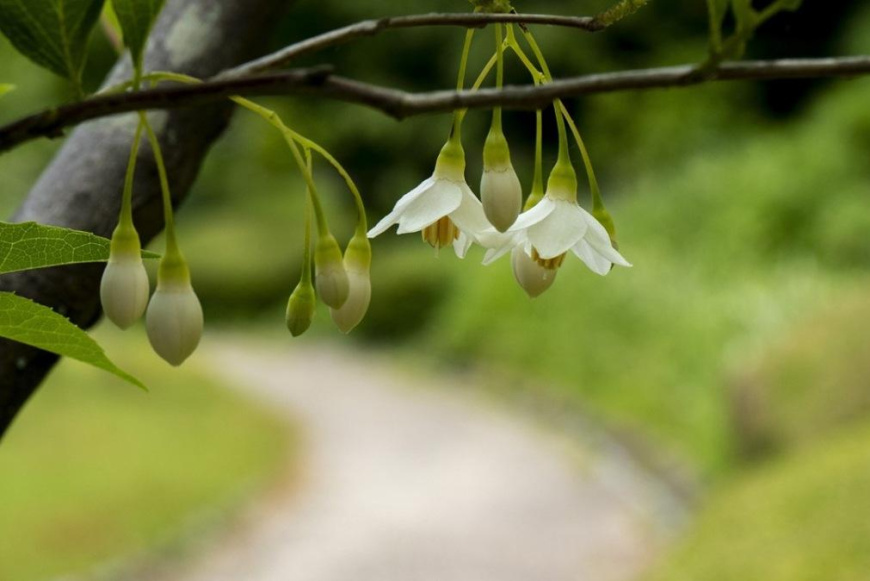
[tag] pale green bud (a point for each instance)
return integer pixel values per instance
(500, 190)
(331, 279)
(357, 263)
(300, 308)
(174, 319)
(531, 276)
(124, 287)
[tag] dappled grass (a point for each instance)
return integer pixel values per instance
(799, 518)
(95, 470)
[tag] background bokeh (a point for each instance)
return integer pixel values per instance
(735, 351)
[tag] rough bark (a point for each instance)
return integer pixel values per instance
(81, 187)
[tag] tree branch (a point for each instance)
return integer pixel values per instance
(400, 104)
(372, 27)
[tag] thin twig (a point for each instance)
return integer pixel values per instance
(372, 27)
(400, 104)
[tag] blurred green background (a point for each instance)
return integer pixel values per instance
(738, 345)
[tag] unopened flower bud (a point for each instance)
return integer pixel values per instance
(331, 279)
(174, 320)
(500, 188)
(124, 287)
(530, 275)
(300, 308)
(357, 262)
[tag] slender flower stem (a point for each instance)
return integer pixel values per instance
(172, 250)
(362, 223)
(306, 253)
(564, 157)
(478, 82)
(126, 217)
(597, 201)
(499, 73)
(456, 132)
(289, 136)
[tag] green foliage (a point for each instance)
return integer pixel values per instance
(136, 18)
(27, 322)
(800, 518)
(93, 474)
(6, 88)
(811, 381)
(52, 33)
(29, 245)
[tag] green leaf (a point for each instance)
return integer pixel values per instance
(30, 245)
(136, 18)
(4, 88)
(52, 33)
(27, 322)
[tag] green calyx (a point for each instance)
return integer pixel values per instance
(173, 270)
(496, 153)
(300, 308)
(562, 184)
(451, 161)
(604, 217)
(327, 252)
(492, 6)
(358, 255)
(125, 241)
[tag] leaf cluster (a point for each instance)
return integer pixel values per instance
(54, 34)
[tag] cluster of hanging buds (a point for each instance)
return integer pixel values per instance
(174, 318)
(537, 234)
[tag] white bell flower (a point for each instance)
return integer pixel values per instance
(124, 288)
(554, 226)
(443, 208)
(174, 319)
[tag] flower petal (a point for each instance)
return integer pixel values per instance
(559, 231)
(469, 216)
(530, 217)
(599, 240)
(394, 216)
(498, 244)
(462, 244)
(596, 263)
(436, 202)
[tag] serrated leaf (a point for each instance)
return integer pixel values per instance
(52, 33)
(27, 322)
(136, 18)
(29, 245)
(5, 88)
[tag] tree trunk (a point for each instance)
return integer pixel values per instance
(81, 188)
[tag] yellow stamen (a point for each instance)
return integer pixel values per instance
(548, 263)
(440, 233)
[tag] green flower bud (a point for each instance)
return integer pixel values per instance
(357, 263)
(174, 319)
(331, 279)
(124, 287)
(300, 308)
(531, 276)
(500, 188)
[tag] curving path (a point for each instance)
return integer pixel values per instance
(407, 483)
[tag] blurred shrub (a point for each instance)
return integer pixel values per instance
(799, 518)
(807, 383)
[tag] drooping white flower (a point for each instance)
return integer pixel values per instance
(330, 277)
(531, 276)
(443, 207)
(124, 288)
(554, 226)
(500, 190)
(357, 263)
(174, 319)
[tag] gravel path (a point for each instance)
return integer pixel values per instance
(405, 483)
